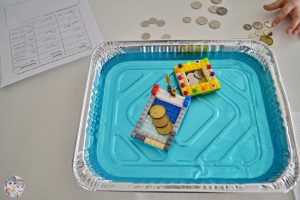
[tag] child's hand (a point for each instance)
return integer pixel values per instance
(288, 7)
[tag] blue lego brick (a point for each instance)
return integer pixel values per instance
(186, 101)
(171, 110)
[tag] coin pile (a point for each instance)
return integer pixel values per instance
(262, 31)
(196, 77)
(153, 20)
(160, 120)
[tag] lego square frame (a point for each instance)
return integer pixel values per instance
(176, 108)
(212, 84)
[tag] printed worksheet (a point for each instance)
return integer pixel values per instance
(37, 35)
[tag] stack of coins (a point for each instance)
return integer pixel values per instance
(160, 120)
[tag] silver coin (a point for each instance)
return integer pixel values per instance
(194, 81)
(198, 74)
(145, 36)
(216, 1)
(152, 20)
(213, 9)
(160, 23)
(268, 32)
(165, 36)
(258, 33)
(190, 75)
(221, 10)
(252, 36)
(268, 24)
(257, 25)
(201, 20)
(214, 24)
(196, 5)
(144, 24)
(247, 27)
(186, 20)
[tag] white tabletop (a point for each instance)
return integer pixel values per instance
(39, 116)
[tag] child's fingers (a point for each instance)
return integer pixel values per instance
(283, 13)
(297, 30)
(293, 25)
(273, 6)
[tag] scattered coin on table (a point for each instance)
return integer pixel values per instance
(196, 5)
(186, 20)
(201, 20)
(214, 24)
(216, 1)
(160, 23)
(152, 20)
(213, 9)
(257, 25)
(145, 36)
(252, 36)
(166, 36)
(266, 39)
(268, 24)
(259, 32)
(268, 32)
(247, 27)
(144, 24)
(221, 10)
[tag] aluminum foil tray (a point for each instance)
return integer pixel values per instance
(238, 139)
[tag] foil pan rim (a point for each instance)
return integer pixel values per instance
(101, 54)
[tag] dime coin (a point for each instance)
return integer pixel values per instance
(152, 20)
(165, 36)
(201, 20)
(216, 1)
(221, 11)
(214, 24)
(247, 27)
(144, 24)
(145, 36)
(165, 130)
(157, 111)
(160, 23)
(266, 39)
(268, 24)
(186, 20)
(162, 122)
(258, 33)
(213, 9)
(257, 25)
(196, 5)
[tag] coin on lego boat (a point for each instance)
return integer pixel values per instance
(221, 11)
(144, 24)
(157, 111)
(214, 24)
(247, 27)
(198, 74)
(201, 20)
(213, 9)
(186, 20)
(152, 20)
(145, 36)
(266, 39)
(216, 1)
(162, 122)
(166, 129)
(160, 23)
(257, 25)
(194, 81)
(196, 5)
(268, 24)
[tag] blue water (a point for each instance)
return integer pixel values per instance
(234, 135)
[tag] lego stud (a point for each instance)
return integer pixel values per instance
(179, 77)
(185, 93)
(203, 89)
(197, 61)
(212, 73)
(180, 66)
(213, 85)
(182, 85)
(195, 90)
(155, 89)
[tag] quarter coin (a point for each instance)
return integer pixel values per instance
(145, 36)
(157, 111)
(186, 20)
(221, 10)
(257, 25)
(247, 27)
(213, 9)
(214, 24)
(160, 23)
(201, 20)
(196, 5)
